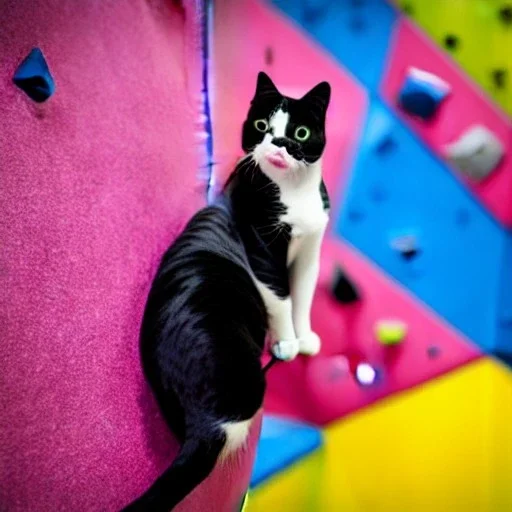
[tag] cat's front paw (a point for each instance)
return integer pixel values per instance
(309, 344)
(286, 350)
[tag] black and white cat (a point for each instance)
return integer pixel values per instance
(243, 266)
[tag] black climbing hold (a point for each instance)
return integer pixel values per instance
(407, 8)
(499, 77)
(407, 246)
(269, 56)
(433, 352)
(409, 254)
(386, 145)
(451, 42)
(505, 14)
(342, 288)
(34, 78)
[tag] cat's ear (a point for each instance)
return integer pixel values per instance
(265, 86)
(319, 96)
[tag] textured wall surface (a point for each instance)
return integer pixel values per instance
(94, 184)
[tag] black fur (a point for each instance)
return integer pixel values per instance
(205, 323)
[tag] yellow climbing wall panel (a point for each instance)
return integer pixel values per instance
(478, 35)
(295, 489)
(445, 447)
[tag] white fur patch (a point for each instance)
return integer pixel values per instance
(279, 312)
(305, 209)
(236, 435)
(279, 122)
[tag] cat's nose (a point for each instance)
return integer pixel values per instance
(282, 142)
(290, 145)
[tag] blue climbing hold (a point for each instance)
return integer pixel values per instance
(34, 78)
(422, 93)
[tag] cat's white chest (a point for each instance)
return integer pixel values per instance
(305, 211)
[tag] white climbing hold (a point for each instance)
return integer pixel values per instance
(476, 153)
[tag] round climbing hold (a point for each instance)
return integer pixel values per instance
(451, 42)
(499, 78)
(390, 332)
(366, 374)
(386, 145)
(408, 9)
(505, 14)
(433, 352)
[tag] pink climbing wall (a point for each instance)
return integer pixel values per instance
(94, 185)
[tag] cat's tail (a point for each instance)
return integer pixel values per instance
(195, 461)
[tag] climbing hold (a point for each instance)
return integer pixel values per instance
(451, 42)
(422, 93)
(313, 10)
(406, 245)
(433, 352)
(476, 153)
(407, 8)
(505, 14)
(365, 374)
(385, 145)
(269, 56)
(34, 78)
(499, 77)
(390, 332)
(355, 214)
(339, 368)
(343, 289)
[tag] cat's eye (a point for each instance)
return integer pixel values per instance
(302, 133)
(261, 125)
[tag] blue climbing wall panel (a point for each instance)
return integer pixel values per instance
(360, 43)
(397, 189)
(282, 442)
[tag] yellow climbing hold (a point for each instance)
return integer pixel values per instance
(390, 332)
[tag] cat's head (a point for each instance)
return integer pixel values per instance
(285, 136)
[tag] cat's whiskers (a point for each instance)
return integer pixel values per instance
(281, 227)
(270, 228)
